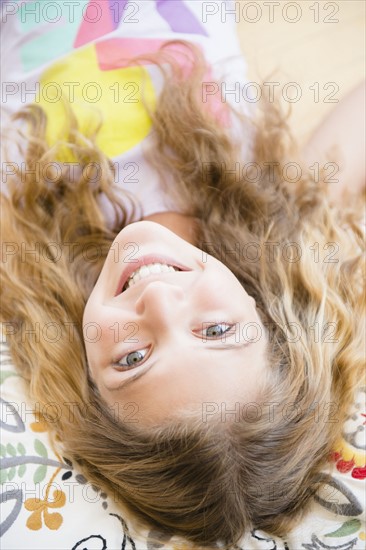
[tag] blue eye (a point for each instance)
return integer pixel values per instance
(218, 330)
(133, 358)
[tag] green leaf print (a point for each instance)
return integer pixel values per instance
(21, 449)
(21, 470)
(3, 476)
(40, 448)
(40, 473)
(11, 450)
(348, 528)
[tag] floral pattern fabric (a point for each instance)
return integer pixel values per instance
(46, 504)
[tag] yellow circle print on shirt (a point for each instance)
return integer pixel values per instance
(111, 96)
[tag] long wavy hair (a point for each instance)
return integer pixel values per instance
(207, 482)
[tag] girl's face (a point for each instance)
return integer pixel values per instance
(172, 340)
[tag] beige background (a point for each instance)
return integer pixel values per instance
(306, 52)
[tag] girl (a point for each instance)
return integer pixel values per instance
(208, 317)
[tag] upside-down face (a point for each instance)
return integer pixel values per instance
(169, 327)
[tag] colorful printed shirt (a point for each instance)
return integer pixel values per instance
(80, 49)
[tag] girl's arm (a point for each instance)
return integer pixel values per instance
(342, 134)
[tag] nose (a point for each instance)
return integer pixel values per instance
(159, 302)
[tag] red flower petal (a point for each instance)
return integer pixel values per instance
(345, 466)
(334, 455)
(359, 473)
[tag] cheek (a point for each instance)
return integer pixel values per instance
(89, 313)
(98, 353)
(98, 321)
(100, 334)
(236, 291)
(224, 288)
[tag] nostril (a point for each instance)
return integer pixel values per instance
(160, 298)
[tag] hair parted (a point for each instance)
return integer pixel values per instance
(206, 482)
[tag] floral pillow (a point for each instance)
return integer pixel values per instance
(46, 504)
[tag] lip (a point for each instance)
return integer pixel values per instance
(145, 260)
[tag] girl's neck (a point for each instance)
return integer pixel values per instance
(182, 225)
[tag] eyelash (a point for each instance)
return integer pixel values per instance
(228, 331)
(128, 367)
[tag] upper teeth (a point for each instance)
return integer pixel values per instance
(150, 269)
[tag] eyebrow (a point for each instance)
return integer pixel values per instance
(143, 371)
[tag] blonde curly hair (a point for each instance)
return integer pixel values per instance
(205, 482)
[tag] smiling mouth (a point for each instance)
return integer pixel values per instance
(146, 271)
(148, 266)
